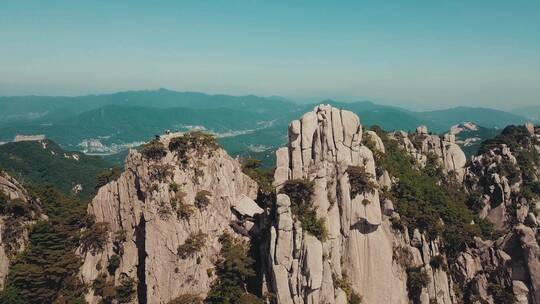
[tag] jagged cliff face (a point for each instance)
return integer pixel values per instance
(362, 254)
(164, 216)
(17, 213)
(503, 178)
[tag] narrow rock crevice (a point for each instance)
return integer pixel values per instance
(140, 242)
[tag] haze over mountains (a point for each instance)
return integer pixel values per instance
(111, 123)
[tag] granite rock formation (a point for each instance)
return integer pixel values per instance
(165, 214)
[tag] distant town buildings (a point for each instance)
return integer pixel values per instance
(19, 138)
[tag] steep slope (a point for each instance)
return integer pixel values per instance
(165, 221)
(18, 211)
(44, 162)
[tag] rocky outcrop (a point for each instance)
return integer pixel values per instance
(165, 214)
(17, 213)
(502, 178)
(498, 174)
(362, 254)
(443, 150)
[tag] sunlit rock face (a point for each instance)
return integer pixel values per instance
(154, 205)
(358, 250)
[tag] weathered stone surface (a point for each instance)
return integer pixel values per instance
(370, 135)
(359, 244)
(246, 206)
(139, 204)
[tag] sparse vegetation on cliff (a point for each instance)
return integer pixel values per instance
(201, 199)
(154, 150)
(114, 263)
(422, 202)
(193, 244)
(193, 141)
(187, 299)
(300, 192)
(417, 278)
(94, 238)
(108, 176)
(126, 290)
(344, 284)
(361, 181)
(233, 271)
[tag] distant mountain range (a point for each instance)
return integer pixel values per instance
(44, 162)
(110, 123)
(530, 112)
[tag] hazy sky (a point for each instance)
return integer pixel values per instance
(411, 53)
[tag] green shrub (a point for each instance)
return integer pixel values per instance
(12, 231)
(437, 262)
(201, 199)
(300, 192)
(360, 180)
(108, 176)
(433, 166)
(161, 171)
(193, 244)
(233, 271)
(417, 278)
(154, 150)
(10, 295)
(126, 290)
(104, 288)
(114, 263)
(187, 299)
(249, 298)
(94, 238)
(17, 207)
(174, 187)
(422, 201)
(184, 210)
(314, 225)
(501, 294)
(355, 298)
(344, 284)
(402, 256)
(196, 141)
(48, 269)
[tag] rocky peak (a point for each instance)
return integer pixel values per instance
(348, 249)
(425, 147)
(164, 217)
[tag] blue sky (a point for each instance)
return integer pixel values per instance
(426, 54)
